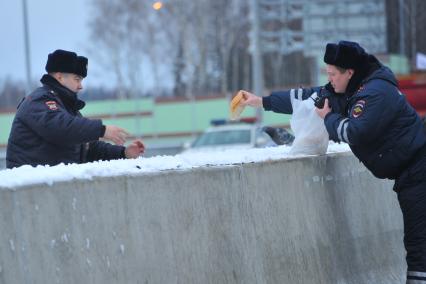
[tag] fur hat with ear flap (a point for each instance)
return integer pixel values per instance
(66, 62)
(345, 54)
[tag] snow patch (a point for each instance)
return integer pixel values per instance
(27, 175)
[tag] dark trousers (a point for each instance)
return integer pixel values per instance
(411, 190)
(413, 205)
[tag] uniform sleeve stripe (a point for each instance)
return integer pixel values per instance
(416, 281)
(339, 128)
(345, 132)
(300, 94)
(292, 94)
(416, 273)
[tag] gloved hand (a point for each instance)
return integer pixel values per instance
(325, 93)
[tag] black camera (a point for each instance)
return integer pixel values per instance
(320, 100)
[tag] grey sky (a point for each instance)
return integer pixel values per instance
(53, 25)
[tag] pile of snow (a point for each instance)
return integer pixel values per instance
(27, 175)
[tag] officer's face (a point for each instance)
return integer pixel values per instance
(338, 79)
(71, 81)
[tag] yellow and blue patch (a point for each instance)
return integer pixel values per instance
(51, 105)
(358, 108)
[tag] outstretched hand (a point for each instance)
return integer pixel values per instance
(250, 99)
(115, 134)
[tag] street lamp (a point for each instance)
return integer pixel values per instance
(27, 44)
(256, 54)
(157, 5)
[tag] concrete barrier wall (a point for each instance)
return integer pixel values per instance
(311, 220)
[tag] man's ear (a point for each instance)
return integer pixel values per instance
(56, 75)
(59, 76)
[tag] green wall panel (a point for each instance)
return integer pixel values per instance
(166, 118)
(5, 125)
(111, 107)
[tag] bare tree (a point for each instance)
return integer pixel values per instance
(196, 39)
(11, 93)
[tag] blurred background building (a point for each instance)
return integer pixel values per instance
(386, 28)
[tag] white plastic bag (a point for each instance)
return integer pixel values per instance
(311, 136)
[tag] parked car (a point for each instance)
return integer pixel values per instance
(230, 135)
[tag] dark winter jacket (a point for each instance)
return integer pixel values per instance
(373, 117)
(48, 129)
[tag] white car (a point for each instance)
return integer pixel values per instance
(230, 136)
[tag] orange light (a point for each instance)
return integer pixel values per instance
(157, 5)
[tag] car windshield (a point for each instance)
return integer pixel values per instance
(224, 137)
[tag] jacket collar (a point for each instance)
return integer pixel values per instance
(68, 97)
(362, 74)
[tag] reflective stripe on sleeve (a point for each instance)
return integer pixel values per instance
(292, 94)
(416, 277)
(416, 273)
(342, 130)
(299, 94)
(415, 281)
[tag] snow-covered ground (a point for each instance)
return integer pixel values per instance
(27, 175)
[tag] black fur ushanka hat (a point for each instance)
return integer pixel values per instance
(345, 54)
(66, 62)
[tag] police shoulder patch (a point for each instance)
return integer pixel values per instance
(358, 108)
(51, 105)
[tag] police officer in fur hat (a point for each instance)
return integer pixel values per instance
(49, 129)
(364, 108)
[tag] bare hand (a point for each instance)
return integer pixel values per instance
(250, 99)
(322, 112)
(135, 149)
(115, 134)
